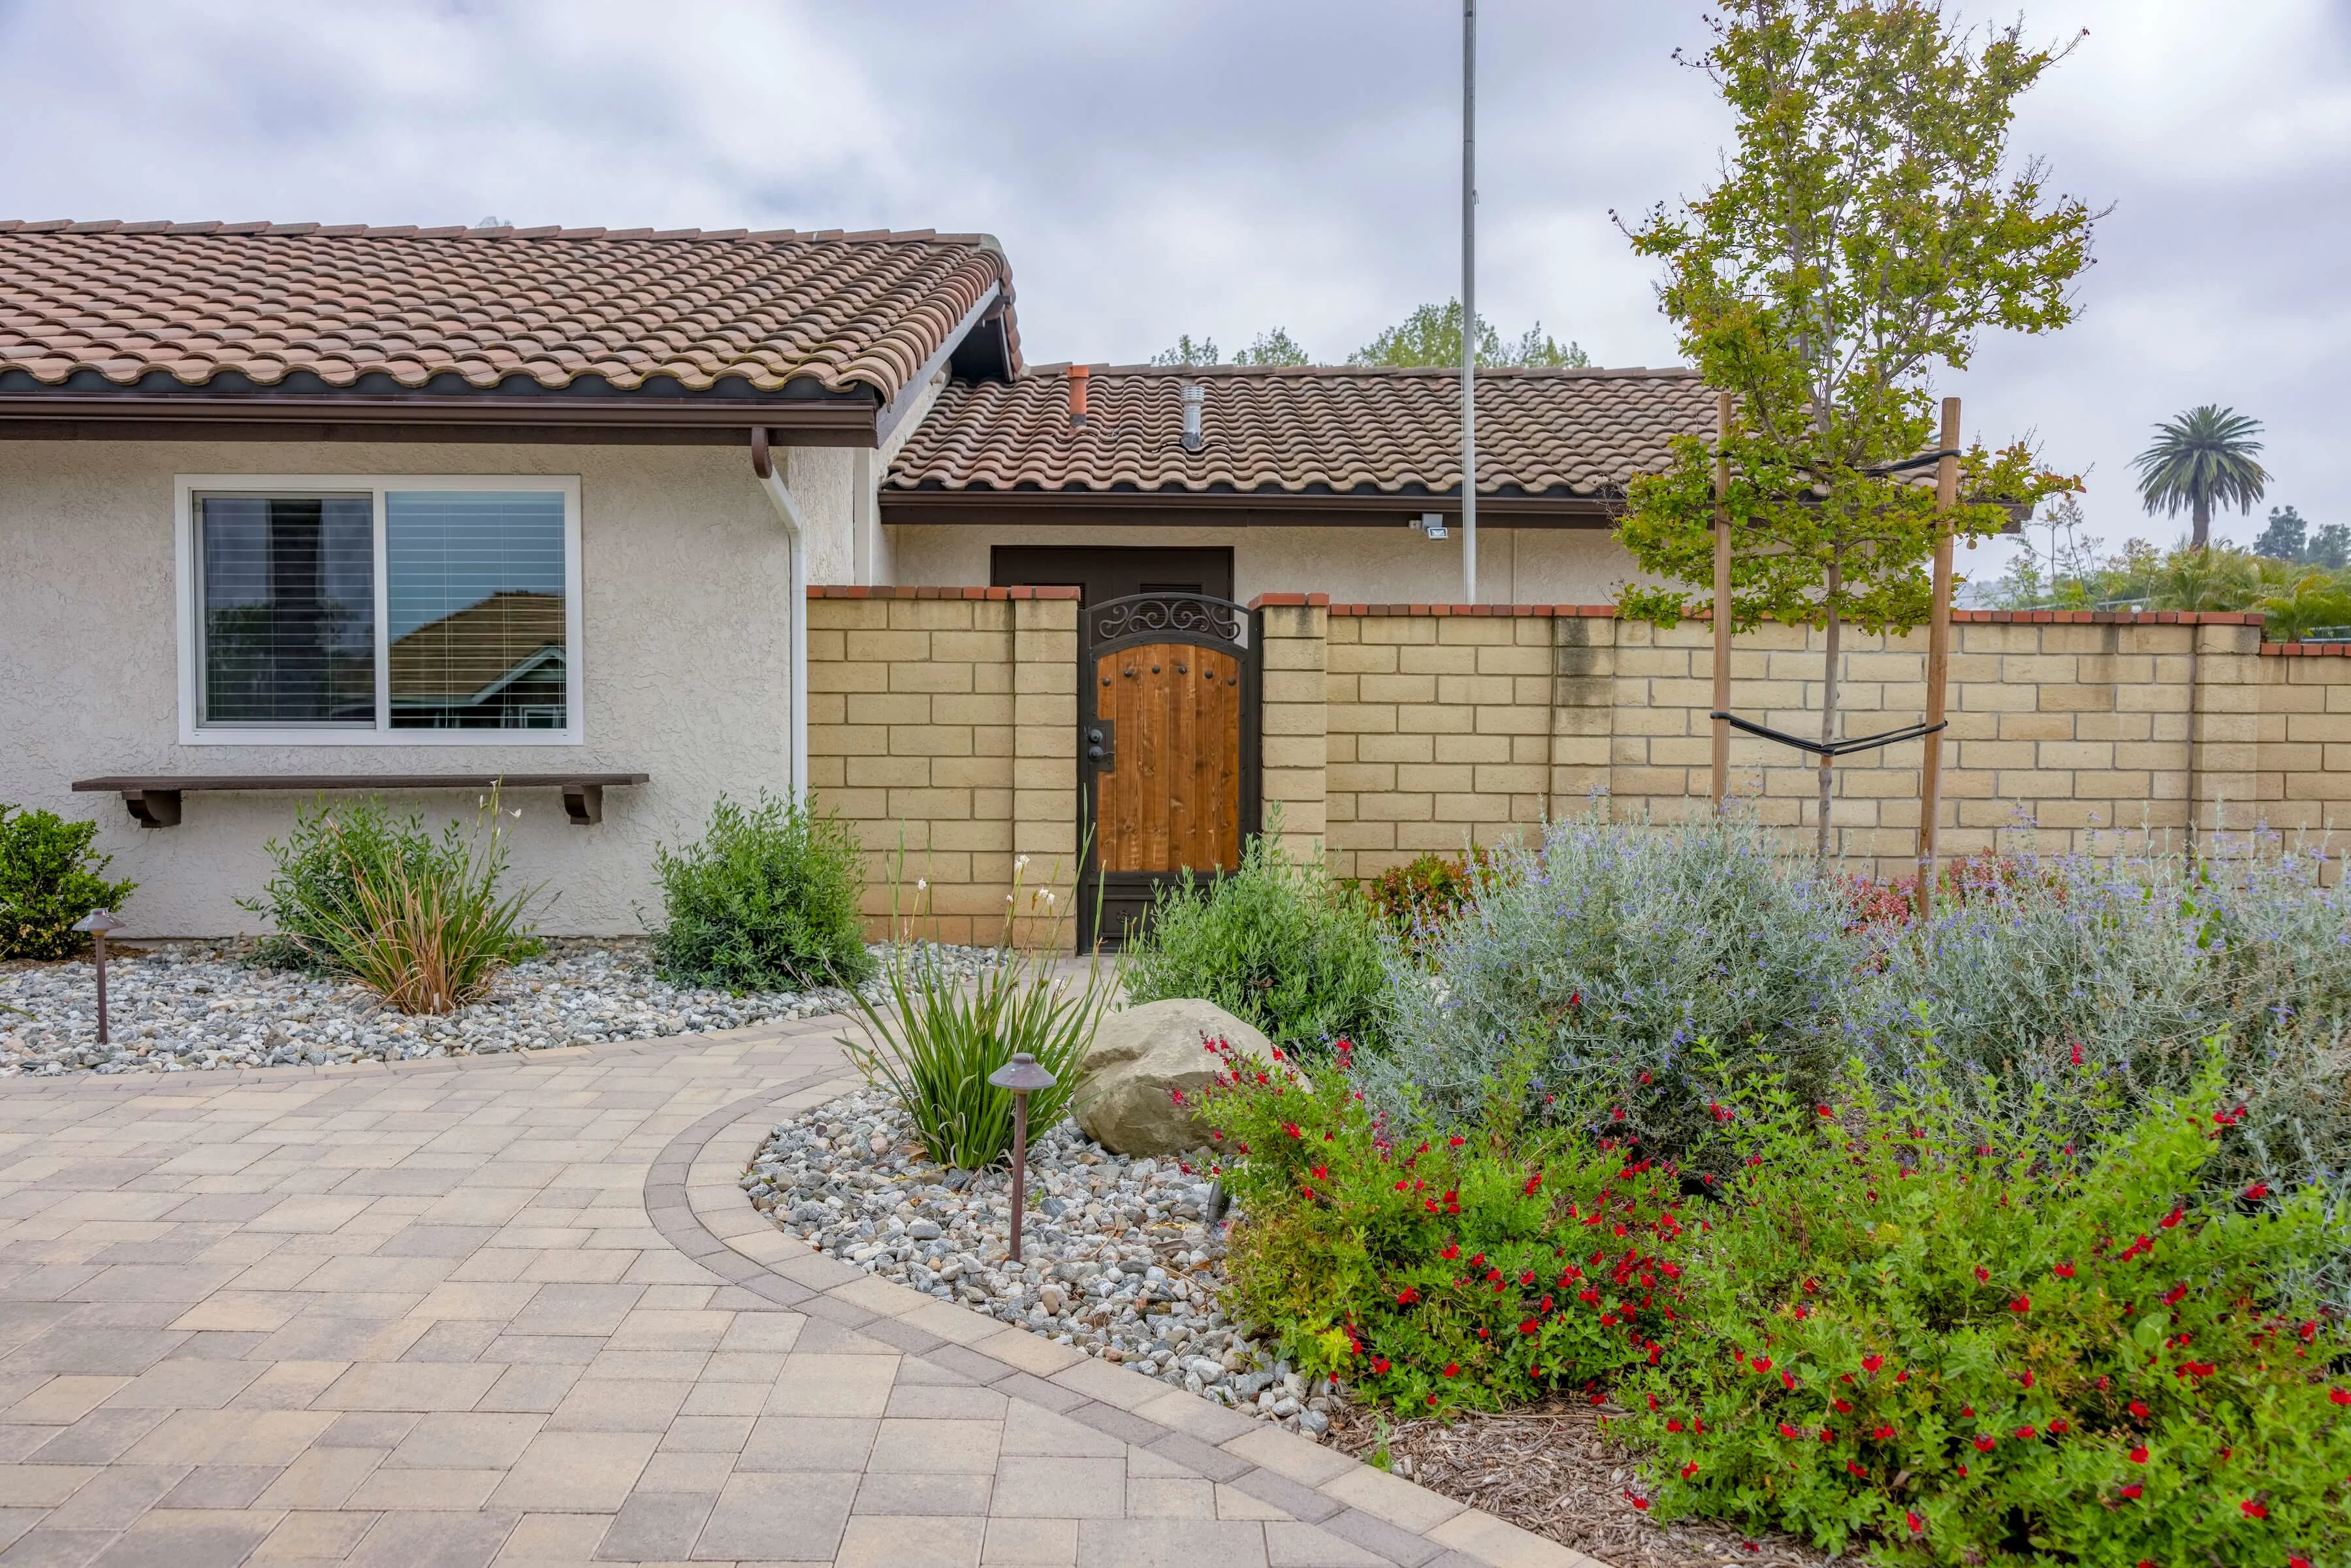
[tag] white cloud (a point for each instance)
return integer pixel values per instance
(1228, 165)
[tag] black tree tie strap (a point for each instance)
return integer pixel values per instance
(1830, 748)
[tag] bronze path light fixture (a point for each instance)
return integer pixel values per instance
(98, 923)
(1023, 1077)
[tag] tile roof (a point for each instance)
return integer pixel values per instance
(1573, 433)
(104, 306)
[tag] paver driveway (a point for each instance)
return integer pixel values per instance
(515, 1310)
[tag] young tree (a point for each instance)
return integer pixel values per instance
(1187, 352)
(1431, 336)
(1865, 230)
(2200, 460)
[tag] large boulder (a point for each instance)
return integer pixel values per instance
(1140, 1058)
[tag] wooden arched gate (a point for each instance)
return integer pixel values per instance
(1167, 748)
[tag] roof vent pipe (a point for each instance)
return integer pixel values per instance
(1193, 394)
(1077, 397)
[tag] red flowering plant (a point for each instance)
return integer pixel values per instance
(1901, 1334)
(1475, 1268)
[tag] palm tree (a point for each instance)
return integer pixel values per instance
(2203, 458)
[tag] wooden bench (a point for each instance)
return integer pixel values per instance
(155, 802)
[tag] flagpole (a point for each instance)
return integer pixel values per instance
(1469, 301)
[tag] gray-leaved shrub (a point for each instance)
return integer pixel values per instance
(1606, 957)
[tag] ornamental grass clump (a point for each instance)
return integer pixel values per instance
(933, 1037)
(1470, 1269)
(1898, 1335)
(1608, 952)
(421, 922)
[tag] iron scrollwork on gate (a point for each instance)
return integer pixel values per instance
(1168, 617)
(1110, 902)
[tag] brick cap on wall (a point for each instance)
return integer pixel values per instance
(1978, 617)
(850, 590)
(1289, 601)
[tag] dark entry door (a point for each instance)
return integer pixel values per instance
(1166, 748)
(1114, 572)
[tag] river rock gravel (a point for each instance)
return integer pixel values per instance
(1121, 1257)
(190, 1006)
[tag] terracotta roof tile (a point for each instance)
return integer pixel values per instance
(269, 300)
(1574, 432)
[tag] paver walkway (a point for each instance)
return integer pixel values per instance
(516, 1311)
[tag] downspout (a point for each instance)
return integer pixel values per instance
(787, 509)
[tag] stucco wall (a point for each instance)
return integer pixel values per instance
(1375, 564)
(686, 607)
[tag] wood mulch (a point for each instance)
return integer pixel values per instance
(1549, 1468)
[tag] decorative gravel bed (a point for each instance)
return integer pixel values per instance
(180, 1007)
(1120, 1257)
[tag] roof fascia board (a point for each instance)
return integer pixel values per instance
(1253, 508)
(910, 396)
(831, 420)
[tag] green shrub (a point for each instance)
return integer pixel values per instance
(1274, 942)
(935, 1036)
(1475, 1270)
(50, 878)
(419, 920)
(1610, 952)
(1419, 900)
(768, 901)
(1986, 1351)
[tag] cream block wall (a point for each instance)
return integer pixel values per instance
(943, 728)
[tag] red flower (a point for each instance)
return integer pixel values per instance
(1291, 1128)
(1881, 1433)
(1691, 1469)
(1406, 1296)
(1982, 1274)
(1452, 1369)
(1763, 1364)
(2138, 1406)
(1528, 1326)
(2077, 1056)
(1984, 1445)
(1673, 1423)
(2064, 1270)
(2060, 1426)
(1791, 1433)
(2339, 1396)
(1872, 1363)
(2258, 1191)
(1787, 1380)
(2021, 1305)
(2133, 1490)
(1452, 1250)
(2026, 1377)
(1379, 1364)
(2138, 1456)
(1642, 1504)
(2174, 1218)
(2174, 1296)
(1852, 1468)
(2297, 1560)
(2253, 1510)
(2025, 1434)
(1918, 1525)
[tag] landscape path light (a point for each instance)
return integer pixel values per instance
(98, 923)
(1023, 1077)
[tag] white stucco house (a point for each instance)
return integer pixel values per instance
(285, 507)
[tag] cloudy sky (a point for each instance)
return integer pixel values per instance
(1221, 166)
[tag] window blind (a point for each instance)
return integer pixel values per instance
(475, 610)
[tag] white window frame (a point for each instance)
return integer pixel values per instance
(193, 731)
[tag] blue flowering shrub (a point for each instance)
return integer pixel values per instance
(1604, 955)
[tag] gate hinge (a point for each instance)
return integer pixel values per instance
(1102, 745)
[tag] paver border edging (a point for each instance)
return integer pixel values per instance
(1398, 1520)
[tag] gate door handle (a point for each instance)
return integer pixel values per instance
(1102, 745)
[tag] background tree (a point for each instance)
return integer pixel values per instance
(1187, 352)
(2202, 459)
(1866, 231)
(1274, 348)
(1431, 336)
(2285, 537)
